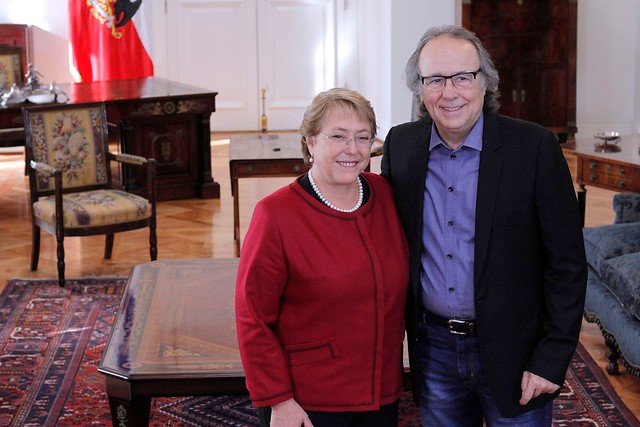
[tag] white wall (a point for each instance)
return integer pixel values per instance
(49, 34)
(608, 59)
(385, 47)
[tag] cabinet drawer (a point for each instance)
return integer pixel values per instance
(611, 175)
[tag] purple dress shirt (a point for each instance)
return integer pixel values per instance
(448, 232)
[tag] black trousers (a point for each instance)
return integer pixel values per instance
(387, 416)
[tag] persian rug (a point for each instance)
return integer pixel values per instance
(52, 338)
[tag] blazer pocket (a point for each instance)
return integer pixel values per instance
(312, 352)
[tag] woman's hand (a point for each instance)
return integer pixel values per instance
(289, 414)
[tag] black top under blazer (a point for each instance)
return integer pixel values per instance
(529, 272)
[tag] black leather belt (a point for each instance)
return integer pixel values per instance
(454, 326)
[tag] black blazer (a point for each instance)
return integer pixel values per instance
(529, 271)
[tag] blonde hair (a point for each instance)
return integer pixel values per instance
(325, 102)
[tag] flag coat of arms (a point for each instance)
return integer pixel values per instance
(104, 41)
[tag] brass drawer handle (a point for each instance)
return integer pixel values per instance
(622, 171)
(622, 184)
(592, 178)
(593, 165)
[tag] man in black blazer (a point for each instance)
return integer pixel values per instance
(498, 268)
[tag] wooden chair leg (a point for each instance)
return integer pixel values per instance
(35, 246)
(108, 246)
(60, 252)
(153, 243)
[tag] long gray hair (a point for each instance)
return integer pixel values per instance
(489, 75)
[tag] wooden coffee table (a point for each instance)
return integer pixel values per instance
(174, 335)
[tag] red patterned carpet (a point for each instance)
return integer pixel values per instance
(51, 341)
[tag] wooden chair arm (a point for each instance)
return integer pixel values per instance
(43, 168)
(129, 159)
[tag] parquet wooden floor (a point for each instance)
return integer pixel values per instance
(200, 229)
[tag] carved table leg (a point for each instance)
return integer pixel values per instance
(130, 414)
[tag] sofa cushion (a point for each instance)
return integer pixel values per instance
(627, 207)
(609, 241)
(622, 276)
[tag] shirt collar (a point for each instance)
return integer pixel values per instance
(473, 140)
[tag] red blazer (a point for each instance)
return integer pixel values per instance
(320, 301)
(530, 271)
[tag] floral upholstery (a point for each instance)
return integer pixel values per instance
(72, 142)
(94, 208)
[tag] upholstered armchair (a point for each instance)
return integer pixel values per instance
(71, 193)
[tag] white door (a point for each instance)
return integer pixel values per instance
(239, 47)
(296, 56)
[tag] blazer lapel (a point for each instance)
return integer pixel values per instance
(488, 179)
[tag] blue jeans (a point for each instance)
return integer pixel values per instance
(452, 386)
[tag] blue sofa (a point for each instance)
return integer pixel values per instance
(613, 287)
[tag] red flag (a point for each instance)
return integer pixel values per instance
(105, 44)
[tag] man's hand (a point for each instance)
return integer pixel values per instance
(289, 414)
(533, 386)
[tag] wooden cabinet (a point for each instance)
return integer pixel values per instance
(607, 174)
(533, 45)
(158, 118)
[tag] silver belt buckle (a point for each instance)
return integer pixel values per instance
(452, 322)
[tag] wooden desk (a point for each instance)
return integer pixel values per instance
(157, 118)
(259, 156)
(618, 171)
(174, 335)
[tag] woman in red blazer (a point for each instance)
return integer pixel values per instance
(322, 282)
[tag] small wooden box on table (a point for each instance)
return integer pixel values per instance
(174, 335)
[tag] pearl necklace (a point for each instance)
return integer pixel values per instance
(331, 205)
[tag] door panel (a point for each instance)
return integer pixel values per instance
(296, 56)
(238, 47)
(212, 44)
